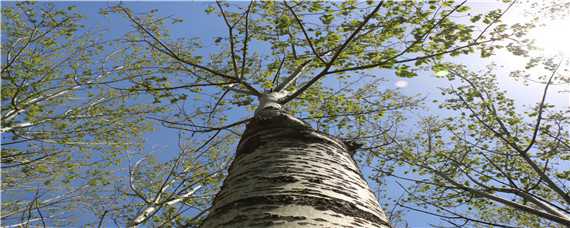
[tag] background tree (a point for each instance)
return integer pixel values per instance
(63, 124)
(492, 163)
(490, 159)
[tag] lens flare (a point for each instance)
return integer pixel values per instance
(401, 83)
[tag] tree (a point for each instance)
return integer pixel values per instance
(318, 39)
(277, 58)
(489, 161)
(63, 123)
(491, 164)
(285, 173)
(174, 186)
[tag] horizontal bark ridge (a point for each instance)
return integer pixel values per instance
(285, 174)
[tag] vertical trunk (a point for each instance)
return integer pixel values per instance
(287, 175)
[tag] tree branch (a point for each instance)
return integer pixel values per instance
(172, 54)
(305, 33)
(335, 56)
(231, 39)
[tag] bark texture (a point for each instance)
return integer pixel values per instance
(286, 174)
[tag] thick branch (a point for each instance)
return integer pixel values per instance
(291, 79)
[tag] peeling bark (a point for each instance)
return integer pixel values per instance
(286, 174)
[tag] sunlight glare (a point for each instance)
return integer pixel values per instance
(554, 37)
(401, 83)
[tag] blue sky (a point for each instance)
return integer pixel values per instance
(198, 24)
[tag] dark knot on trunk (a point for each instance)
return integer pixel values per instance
(352, 146)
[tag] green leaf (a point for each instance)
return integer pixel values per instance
(92, 182)
(440, 70)
(405, 72)
(41, 168)
(209, 10)
(463, 9)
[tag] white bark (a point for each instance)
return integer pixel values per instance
(11, 114)
(291, 79)
(271, 100)
(287, 175)
(149, 211)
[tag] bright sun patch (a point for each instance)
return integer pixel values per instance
(401, 83)
(554, 37)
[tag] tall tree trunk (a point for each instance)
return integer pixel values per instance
(286, 174)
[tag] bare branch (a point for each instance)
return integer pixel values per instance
(541, 111)
(231, 39)
(201, 128)
(335, 56)
(300, 23)
(165, 49)
(474, 42)
(246, 39)
(275, 81)
(101, 219)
